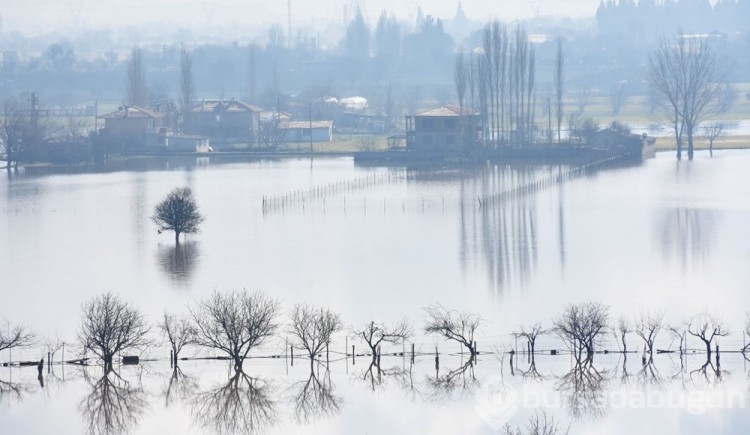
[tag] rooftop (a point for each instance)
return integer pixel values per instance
(305, 124)
(224, 106)
(133, 112)
(447, 110)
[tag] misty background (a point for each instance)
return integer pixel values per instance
(398, 55)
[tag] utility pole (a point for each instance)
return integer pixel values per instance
(311, 130)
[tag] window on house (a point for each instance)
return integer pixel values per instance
(450, 139)
(450, 123)
(427, 139)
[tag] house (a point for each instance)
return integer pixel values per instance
(617, 139)
(439, 130)
(221, 119)
(133, 123)
(299, 131)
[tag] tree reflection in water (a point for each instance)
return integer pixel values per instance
(380, 378)
(709, 375)
(179, 260)
(314, 398)
(180, 387)
(459, 382)
(583, 390)
(13, 391)
(242, 405)
(113, 406)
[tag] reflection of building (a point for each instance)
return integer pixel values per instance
(439, 130)
(187, 144)
(134, 123)
(299, 131)
(232, 119)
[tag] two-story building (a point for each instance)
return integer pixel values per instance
(219, 119)
(443, 130)
(134, 124)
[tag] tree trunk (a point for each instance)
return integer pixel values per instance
(176, 237)
(690, 142)
(708, 349)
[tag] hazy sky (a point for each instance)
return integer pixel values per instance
(62, 14)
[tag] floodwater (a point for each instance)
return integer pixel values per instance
(380, 243)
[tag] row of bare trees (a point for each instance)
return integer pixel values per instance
(238, 322)
(500, 83)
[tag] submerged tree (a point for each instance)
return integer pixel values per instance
(376, 333)
(14, 124)
(235, 323)
(648, 327)
(582, 328)
(179, 331)
(313, 328)
(109, 326)
(178, 212)
(685, 75)
(707, 328)
(453, 325)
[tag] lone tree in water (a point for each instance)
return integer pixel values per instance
(178, 212)
(109, 326)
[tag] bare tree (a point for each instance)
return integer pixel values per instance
(647, 327)
(461, 82)
(235, 323)
(582, 97)
(559, 78)
(15, 336)
(453, 325)
(179, 331)
(685, 74)
(706, 328)
(137, 93)
(51, 346)
(530, 334)
(747, 332)
(711, 132)
(617, 97)
(582, 327)
(178, 212)
(621, 330)
(187, 85)
(14, 125)
(376, 333)
(313, 328)
(109, 326)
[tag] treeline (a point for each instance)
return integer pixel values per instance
(652, 18)
(236, 323)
